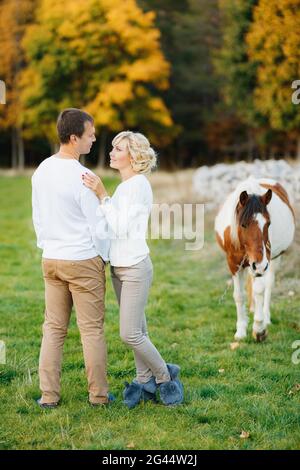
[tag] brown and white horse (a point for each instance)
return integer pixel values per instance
(255, 225)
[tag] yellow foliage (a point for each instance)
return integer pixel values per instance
(274, 44)
(152, 68)
(13, 19)
(99, 55)
(157, 105)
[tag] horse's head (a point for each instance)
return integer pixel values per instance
(253, 223)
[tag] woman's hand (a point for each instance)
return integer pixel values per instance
(95, 184)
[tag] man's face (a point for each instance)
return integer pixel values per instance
(85, 142)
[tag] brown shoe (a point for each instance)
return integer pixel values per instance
(110, 399)
(47, 405)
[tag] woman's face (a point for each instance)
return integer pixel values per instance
(119, 156)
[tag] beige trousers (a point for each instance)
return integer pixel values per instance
(81, 283)
(132, 285)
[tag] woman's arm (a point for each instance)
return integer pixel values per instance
(132, 210)
(95, 184)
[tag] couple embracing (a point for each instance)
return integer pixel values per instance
(80, 230)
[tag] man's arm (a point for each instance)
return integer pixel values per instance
(36, 216)
(96, 221)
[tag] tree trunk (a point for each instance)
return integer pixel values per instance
(250, 146)
(298, 148)
(14, 150)
(265, 153)
(20, 147)
(102, 149)
(17, 149)
(54, 147)
(236, 152)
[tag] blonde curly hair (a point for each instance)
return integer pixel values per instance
(143, 157)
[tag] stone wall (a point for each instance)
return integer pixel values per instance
(213, 184)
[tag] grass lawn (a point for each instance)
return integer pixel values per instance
(252, 389)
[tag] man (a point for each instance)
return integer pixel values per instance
(73, 261)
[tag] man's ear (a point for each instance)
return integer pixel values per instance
(73, 139)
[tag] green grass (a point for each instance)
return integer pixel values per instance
(189, 325)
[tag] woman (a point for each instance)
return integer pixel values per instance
(127, 214)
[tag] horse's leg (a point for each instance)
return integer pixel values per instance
(270, 278)
(239, 297)
(259, 332)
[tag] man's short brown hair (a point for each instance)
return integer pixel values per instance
(71, 121)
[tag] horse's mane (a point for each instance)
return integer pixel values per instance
(253, 206)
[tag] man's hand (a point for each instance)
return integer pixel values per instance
(95, 184)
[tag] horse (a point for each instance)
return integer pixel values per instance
(255, 226)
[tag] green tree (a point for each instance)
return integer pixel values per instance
(237, 72)
(190, 33)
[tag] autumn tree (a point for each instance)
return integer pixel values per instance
(100, 55)
(274, 51)
(15, 15)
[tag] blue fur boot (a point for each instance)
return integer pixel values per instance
(136, 392)
(171, 393)
(132, 394)
(149, 390)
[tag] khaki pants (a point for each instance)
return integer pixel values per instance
(132, 286)
(81, 283)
